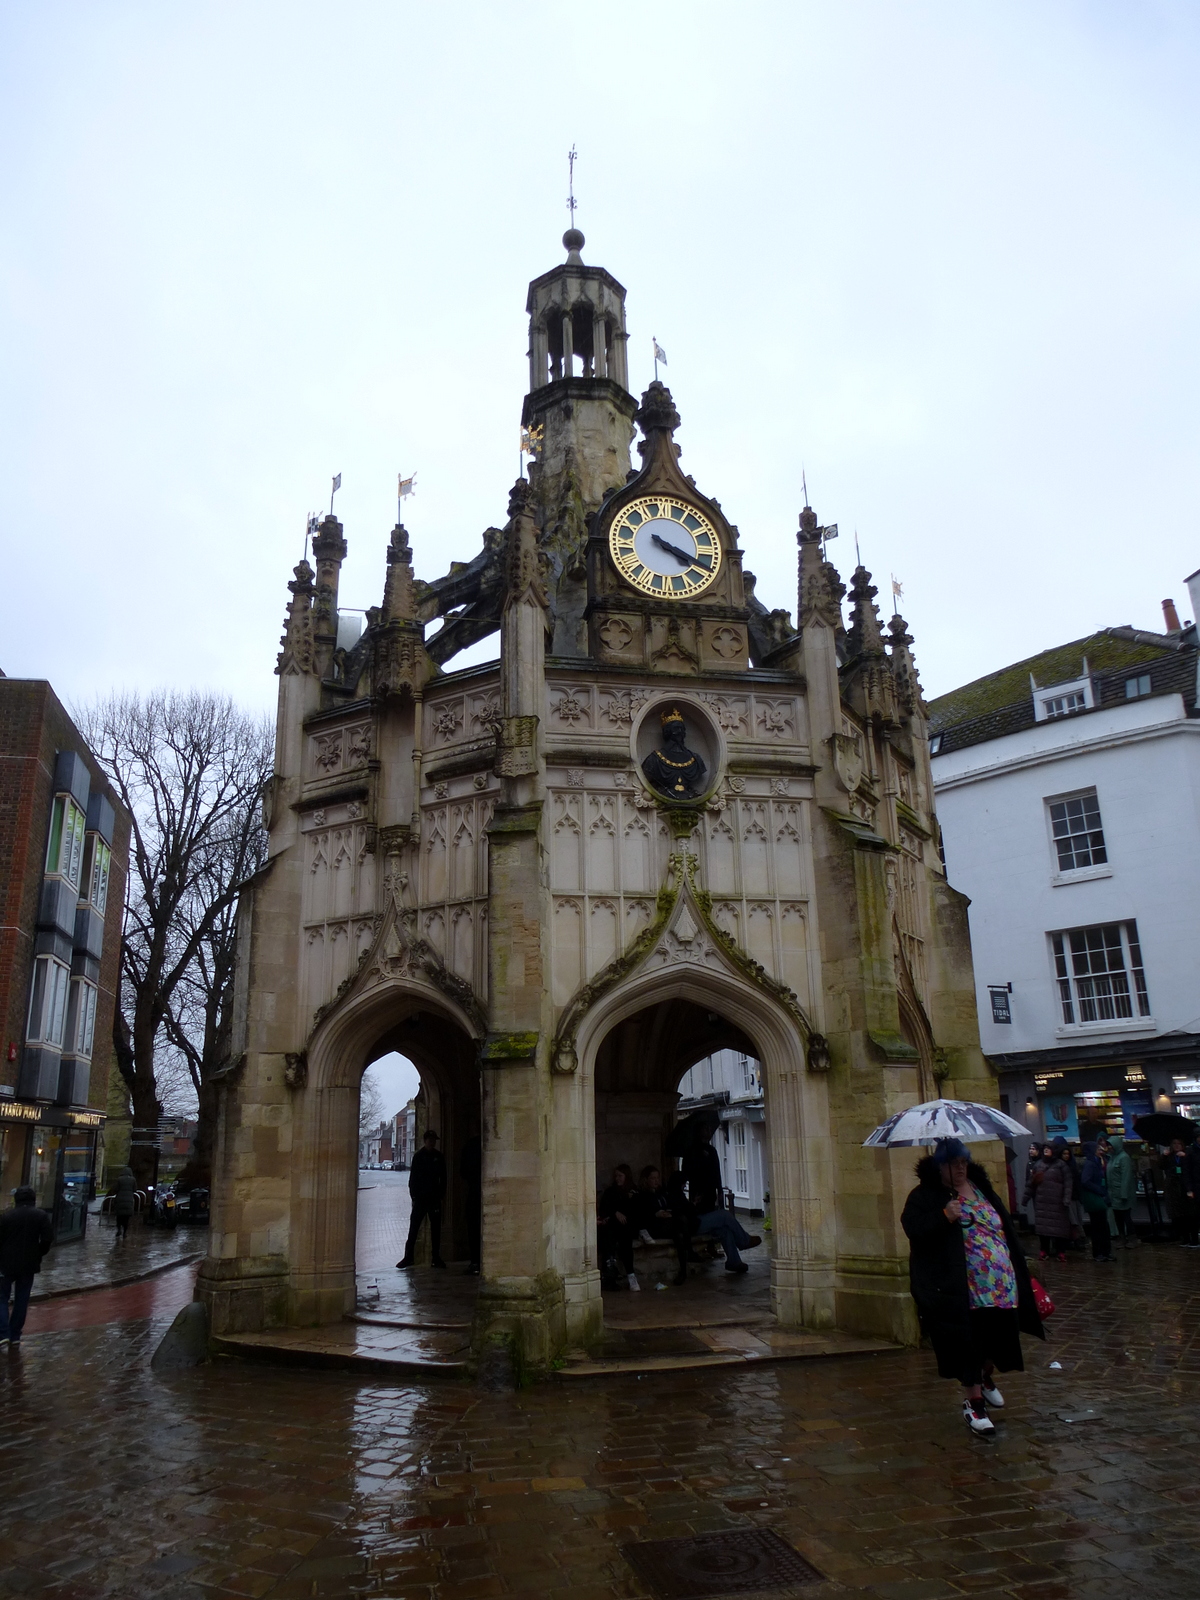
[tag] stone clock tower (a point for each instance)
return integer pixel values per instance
(664, 821)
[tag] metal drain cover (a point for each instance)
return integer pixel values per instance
(739, 1562)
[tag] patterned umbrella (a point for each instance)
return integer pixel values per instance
(967, 1120)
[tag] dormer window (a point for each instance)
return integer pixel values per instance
(1061, 705)
(1053, 700)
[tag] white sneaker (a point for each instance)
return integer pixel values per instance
(992, 1396)
(633, 1283)
(977, 1418)
(645, 1237)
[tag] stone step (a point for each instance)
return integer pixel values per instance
(723, 1346)
(343, 1347)
(371, 1319)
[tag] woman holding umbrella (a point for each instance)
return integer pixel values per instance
(968, 1277)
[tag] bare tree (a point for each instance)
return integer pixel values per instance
(191, 770)
(370, 1105)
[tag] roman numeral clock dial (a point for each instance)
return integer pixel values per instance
(665, 547)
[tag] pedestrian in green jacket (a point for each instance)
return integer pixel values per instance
(1122, 1190)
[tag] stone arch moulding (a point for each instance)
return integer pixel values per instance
(681, 881)
(348, 1034)
(920, 1029)
(799, 1136)
(395, 954)
(324, 1168)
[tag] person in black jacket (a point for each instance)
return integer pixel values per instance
(616, 1226)
(701, 1170)
(1093, 1192)
(427, 1186)
(968, 1277)
(657, 1218)
(25, 1236)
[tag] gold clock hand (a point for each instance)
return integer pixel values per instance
(672, 549)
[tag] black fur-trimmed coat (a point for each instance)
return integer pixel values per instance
(937, 1263)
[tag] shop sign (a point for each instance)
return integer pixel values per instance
(1001, 1010)
(1187, 1086)
(1058, 1116)
(48, 1116)
(1135, 1103)
(21, 1111)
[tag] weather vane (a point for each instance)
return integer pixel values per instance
(571, 200)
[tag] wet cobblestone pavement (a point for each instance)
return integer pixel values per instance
(100, 1258)
(239, 1480)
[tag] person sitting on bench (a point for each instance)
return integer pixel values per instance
(701, 1169)
(658, 1218)
(617, 1227)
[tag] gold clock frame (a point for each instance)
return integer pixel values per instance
(664, 586)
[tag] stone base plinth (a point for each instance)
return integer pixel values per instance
(244, 1294)
(528, 1313)
(872, 1299)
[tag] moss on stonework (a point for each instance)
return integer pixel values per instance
(510, 1046)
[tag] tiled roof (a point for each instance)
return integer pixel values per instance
(1002, 702)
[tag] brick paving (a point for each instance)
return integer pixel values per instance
(234, 1480)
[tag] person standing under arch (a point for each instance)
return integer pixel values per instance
(427, 1187)
(700, 1169)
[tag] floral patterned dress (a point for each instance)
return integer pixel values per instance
(990, 1276)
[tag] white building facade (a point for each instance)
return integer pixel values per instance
(731, 1080)
(1068, 795)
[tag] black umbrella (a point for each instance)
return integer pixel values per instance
(1160, 1127)
(697, 1128)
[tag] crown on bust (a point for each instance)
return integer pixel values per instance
(673, 715)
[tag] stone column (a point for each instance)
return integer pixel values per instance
(568, 335)
(599, 355)
(620, 358)
(521, 1293)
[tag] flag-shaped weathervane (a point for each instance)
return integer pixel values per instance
(337, 484)
(660, 355)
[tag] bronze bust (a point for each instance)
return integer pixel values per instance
(674, 770)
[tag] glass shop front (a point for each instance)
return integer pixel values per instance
(54, 1152)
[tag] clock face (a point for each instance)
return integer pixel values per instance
(666, 547)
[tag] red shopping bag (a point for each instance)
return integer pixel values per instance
(1043, 1302)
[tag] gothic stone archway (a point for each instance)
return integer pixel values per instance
(283, 1232)
(800, 1150)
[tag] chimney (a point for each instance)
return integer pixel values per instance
(1171, 617)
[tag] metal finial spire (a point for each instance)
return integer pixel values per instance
(573, 240)
(804, 486)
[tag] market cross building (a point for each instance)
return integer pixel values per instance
(666, 822)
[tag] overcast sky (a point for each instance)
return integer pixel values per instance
(942, 256)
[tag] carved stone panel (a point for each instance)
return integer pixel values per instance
(674, 646)
(619, 637)
(571, 708)
(445, 722)
(723, 645)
